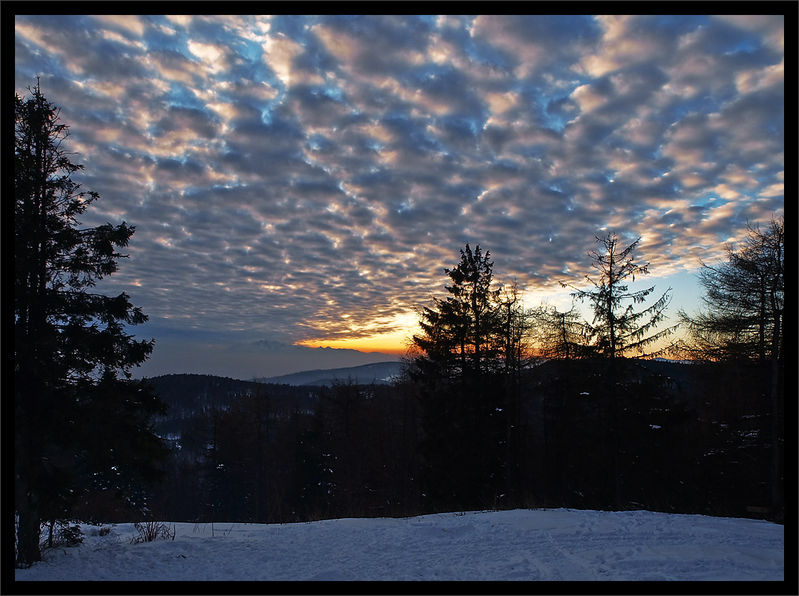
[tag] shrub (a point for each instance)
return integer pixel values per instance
(150, 530)
(61, 533)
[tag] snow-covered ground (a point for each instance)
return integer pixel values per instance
(555, 544)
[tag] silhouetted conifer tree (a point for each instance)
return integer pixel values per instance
(744, 320)
(462, 393)
(460, 334)
(618, 331)
(70, 344)
(744, 301)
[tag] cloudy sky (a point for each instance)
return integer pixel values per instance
(307, 178)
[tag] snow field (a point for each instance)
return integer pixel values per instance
(528, 545)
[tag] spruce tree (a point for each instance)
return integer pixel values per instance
(459, 377)
(618, 331)
(70, 344)
(463, 332)
(744, 301)
(744, 320)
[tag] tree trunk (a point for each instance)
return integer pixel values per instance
(614, 427)
(776, 492)
(28, 531)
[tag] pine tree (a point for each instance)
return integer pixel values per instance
(617, 331)
(744, 301)
(744, 320)
(614, 332)
(459, 376)
(462, 331)
(70, 345)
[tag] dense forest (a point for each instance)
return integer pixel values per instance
(499, 406)
(689, 438)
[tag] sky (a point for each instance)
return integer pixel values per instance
(301, 180)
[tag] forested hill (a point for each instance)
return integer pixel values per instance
(378, 373)
(189, 394)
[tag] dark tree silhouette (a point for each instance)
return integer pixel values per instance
(615, 332)
(560, 334)
(515, 326)
(461, 332)
(744, 320)
(460, 376)
(70, 344)
(744, 301)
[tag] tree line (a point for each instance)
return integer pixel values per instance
(691, 438)
(479, 419)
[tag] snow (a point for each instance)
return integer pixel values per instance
(554, 544)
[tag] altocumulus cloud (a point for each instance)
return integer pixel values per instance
(306, 177)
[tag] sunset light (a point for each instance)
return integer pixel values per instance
(401, 297)
(304, 179)
(394, 340)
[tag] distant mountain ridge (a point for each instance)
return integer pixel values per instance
(378, 373)
(247, 359)
(270, 345)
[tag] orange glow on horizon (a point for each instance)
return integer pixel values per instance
(388, 344)
(392, 336)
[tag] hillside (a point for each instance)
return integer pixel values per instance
(379, 373)
(692, 439)
(188, 396)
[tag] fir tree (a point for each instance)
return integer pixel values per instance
(462, 332)
(70, 344)
(744, 320)
(617, 331)
(744, 301)
(459, 376)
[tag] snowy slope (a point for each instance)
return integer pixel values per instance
(559, 544)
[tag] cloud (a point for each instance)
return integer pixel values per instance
(311, 176)
(771, 28)
(129, 24)
(533, 43)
